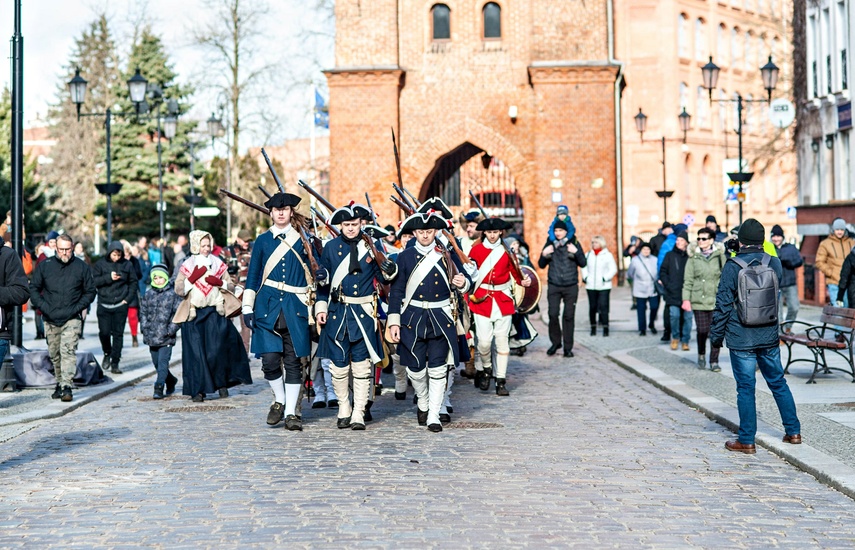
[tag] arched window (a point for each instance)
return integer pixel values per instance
(441, 22)
(492, 20)
(701, 105)
(700, 39)
(682, 38)
(720, 44)
(747, 56)
(684, 95)
(758, 52)
(734, 46)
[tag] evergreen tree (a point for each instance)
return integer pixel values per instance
(39, 215)
(78, 156)
(134, 150)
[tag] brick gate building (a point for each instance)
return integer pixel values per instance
(517, 100)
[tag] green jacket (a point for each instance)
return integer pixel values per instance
(700, 282)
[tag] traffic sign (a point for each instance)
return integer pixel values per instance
(782, 112)
(206, 211)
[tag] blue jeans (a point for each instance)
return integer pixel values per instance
(4, 349)
(789, 294)
(161, 356)
(686, 334)
(832, 295)
(769, 360)
(641, 311)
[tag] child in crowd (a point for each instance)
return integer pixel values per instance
(157, 308)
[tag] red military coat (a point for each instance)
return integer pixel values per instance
(500, 275)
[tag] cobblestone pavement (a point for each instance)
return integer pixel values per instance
(584, 454)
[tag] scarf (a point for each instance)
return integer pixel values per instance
(424, 250)
(354, 253)
(490, 246)
(708, 252)
(596, 251)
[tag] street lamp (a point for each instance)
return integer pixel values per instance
(216, 129)
(137, 86)
(685, 125)
(769, 73)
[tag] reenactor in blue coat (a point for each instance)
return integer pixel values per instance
(348, 311)
(276, 305)
(422, 315)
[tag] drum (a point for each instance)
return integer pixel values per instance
(527, 299)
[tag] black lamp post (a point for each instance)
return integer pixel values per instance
(685, 125)
(137, 88)
(217, 129)
(769, 73)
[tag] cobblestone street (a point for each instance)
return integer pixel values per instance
(584, 453)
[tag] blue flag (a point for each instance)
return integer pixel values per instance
(322, 113)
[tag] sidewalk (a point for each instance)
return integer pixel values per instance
(29, 404)
(826, 409)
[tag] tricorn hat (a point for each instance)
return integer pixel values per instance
(474, 216)
(439, 207)
(423, 220)
(350, 212)
(281, 200)
(375, 232)
(493, 224)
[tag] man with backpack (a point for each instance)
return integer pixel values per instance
(746, 315)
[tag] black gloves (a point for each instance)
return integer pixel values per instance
(388, 267)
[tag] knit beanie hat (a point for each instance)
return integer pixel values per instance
(777, 230)
(559, 224)
(683, 235)
(711, 218)
(838, 223)
(159, 270)
(679, 228)
(751, 232)
(562, 209)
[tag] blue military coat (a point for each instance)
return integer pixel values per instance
(270, 301)
(348, 322)
(418, 322)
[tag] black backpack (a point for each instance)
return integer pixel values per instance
(757, 292)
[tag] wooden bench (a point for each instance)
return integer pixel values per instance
(836, 334)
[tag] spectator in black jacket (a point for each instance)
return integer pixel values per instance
(659, 238)
(563, 256)
(790, 261)
(62, 288)
(14, 291)
(116, 282)
(671, 275)
(846, 288)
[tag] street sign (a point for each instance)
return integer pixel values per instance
(791, 212)
(556, 196)
(206, 211)
(782, 112)
(160, 206)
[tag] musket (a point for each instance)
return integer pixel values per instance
(402, 205)
(371, 208)
(320, 198)
(262, 209)
(263, 190)
(273, 171)
(515, 262)
(331, 228)
(408, 210)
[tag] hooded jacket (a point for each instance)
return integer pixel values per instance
(61, 291)
(157, 308)
(671, 273)
(830, 255)
(790, 261)
(112, 293)
(599, 270)
(563, 266)
(700, 281)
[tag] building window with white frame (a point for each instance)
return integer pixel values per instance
(684, 95)
(702, 104)
(813, 56)
(842, 46)
(746, 51)
(682, 36)
(734, 46)
(721, 44)
(700, 39)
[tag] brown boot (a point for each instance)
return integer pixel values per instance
(469, 367)
(134, 342)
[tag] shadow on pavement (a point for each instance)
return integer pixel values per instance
(48, 447)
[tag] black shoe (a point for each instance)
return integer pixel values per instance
(293, 423)
(415, 399)
(552, 349)
(435, 428)
(450, 410)
(593, 331)
(421, 416)
(500, 388)
(357, 426)
(486, 376)
(66, 394)
(605, 331)
(653, 330)
(343, 423)
(224, 392)
(444, 418)
(105, 365)
(39, 337)
(275, 414)
(666, 337)
(366, 415)
(319, 405)
(568, 354)
(171, 381)
(642, 333)
(158, 392)
(198, 398)
(332, 403)
(57, 392)
(114, 369)
(400, 395)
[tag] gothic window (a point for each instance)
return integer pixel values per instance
(492, 20)
(441, 22)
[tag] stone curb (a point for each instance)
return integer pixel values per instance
(823, 467)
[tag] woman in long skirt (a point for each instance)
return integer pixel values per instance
(214, 358)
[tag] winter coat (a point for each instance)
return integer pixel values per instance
(136, 264)
(725, 323)
(847, 279)
(830, 255)
(671, 274)
(563, 266)
(110, 292)
(642, 271)
(14, 288)
(599, 271)
(157, 308)
(790, 261)
(700, 281)
(656, 243)
(667, 246)
(61, 291)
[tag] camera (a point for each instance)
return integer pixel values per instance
(732, 245)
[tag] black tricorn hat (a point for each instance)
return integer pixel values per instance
(423, 220)
(493, 224)
(350, 212)
(439, 207)
(375, 232)
(281, 200)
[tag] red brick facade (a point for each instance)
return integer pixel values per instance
(551, 63)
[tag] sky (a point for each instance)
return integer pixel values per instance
(50, 27)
